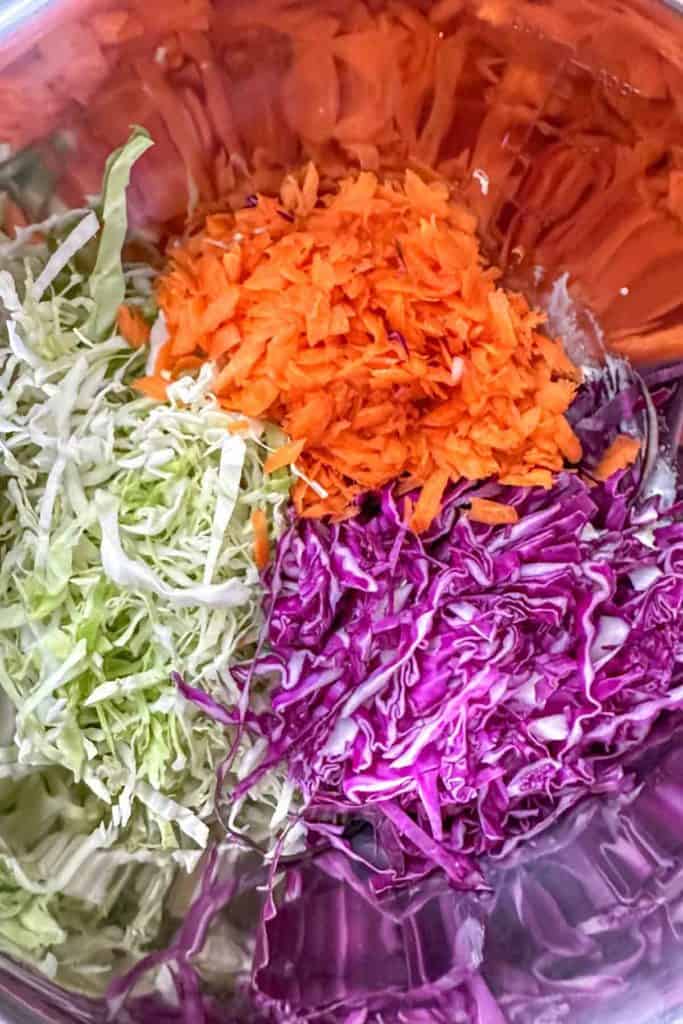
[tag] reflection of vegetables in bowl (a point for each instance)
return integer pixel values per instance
(467, 619)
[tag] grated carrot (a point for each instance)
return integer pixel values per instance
(259, 525)
(186, 365)
(429, 501)
(622, 452)
(495, 513)
(366, 323)
(152, 387)
(238, 426)
(284, 456)
(132, 326)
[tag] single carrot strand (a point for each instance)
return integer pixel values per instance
(259, 525)
(284, 456)
(152, 387)
(429, 501)
(622, 452)
(132, 326)
(495, 513)
(238, 426)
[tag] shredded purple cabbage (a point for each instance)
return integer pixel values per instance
(474, 682)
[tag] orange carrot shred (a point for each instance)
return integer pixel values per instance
(132, 326)
(494, 513)
(622, 452)
(153, 387)
(429, 501)
(164, 360)
(238, 426)
(259, 525)
(284, 456)
(185, 365)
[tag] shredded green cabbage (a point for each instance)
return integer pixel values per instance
(126, 552)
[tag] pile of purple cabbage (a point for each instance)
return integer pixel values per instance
(463, 688)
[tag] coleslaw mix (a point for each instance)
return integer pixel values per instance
(189, 668)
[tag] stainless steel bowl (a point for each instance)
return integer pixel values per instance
(565, 132)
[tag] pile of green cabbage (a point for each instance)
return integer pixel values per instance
(125, 551)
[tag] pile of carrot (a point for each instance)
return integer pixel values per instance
(366, 323)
